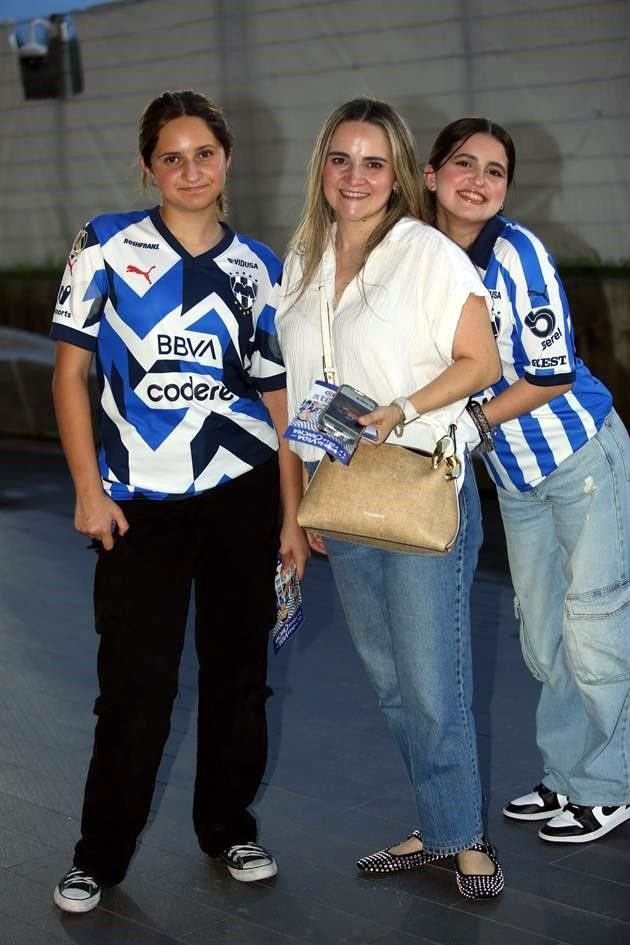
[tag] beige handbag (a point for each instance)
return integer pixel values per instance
(388, 496)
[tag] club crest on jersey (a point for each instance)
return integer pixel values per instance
(245, 289)
(80, 242)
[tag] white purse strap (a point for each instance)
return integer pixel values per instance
(330, 374)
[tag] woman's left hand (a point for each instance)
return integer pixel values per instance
(294, 547)
(383, 419)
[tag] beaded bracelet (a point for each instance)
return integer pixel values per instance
(475, 411)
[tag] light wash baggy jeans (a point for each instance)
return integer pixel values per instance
(409, 618)
(569, 549)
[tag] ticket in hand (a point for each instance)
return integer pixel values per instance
(290, 614)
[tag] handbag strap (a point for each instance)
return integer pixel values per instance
(330, 373)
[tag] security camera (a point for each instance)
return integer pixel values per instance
(32, 51)
(33, 43)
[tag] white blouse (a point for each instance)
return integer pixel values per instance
(392, 329)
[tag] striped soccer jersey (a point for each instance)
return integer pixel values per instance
(532, 326)
(185, 346)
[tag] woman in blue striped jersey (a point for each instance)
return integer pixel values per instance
(560, 457)
(182, 498)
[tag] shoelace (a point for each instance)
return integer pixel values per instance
(77, 877)
(245, 851)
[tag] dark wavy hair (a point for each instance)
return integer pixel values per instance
(178, 104)
(451, 138)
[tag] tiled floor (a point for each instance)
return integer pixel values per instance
(335, 786)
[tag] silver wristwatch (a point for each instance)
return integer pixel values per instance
(408, 411)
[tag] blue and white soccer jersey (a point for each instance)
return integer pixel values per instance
(532, 325)
(185, 346)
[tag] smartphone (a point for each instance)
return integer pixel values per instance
(340, 417)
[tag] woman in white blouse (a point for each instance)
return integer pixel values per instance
(411, 329)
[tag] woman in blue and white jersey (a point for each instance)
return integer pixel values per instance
(561, 464)
(177, 311)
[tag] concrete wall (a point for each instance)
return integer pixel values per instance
(600, 307)
(554, 71)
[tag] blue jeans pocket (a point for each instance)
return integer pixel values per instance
(598, 634)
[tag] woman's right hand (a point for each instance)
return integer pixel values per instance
(95, 514)
(100, 518)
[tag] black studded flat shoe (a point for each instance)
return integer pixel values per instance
(384, 861)
(477, 885)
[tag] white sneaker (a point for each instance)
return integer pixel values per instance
(540, 804)
(249, 862)
(77, 892)
(580, 824)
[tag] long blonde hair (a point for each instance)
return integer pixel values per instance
(313, 230)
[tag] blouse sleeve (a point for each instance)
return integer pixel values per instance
(447, 278)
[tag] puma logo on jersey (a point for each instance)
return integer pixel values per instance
(141, 272)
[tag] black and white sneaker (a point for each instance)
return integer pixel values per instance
(249, 862)
(77, 892)
(579, 824)
(539, 804)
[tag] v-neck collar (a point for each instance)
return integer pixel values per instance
(173, 242)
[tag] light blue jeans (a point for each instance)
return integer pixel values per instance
(569, 549)
(409, 618)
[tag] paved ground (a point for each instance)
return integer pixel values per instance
(335, 786)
